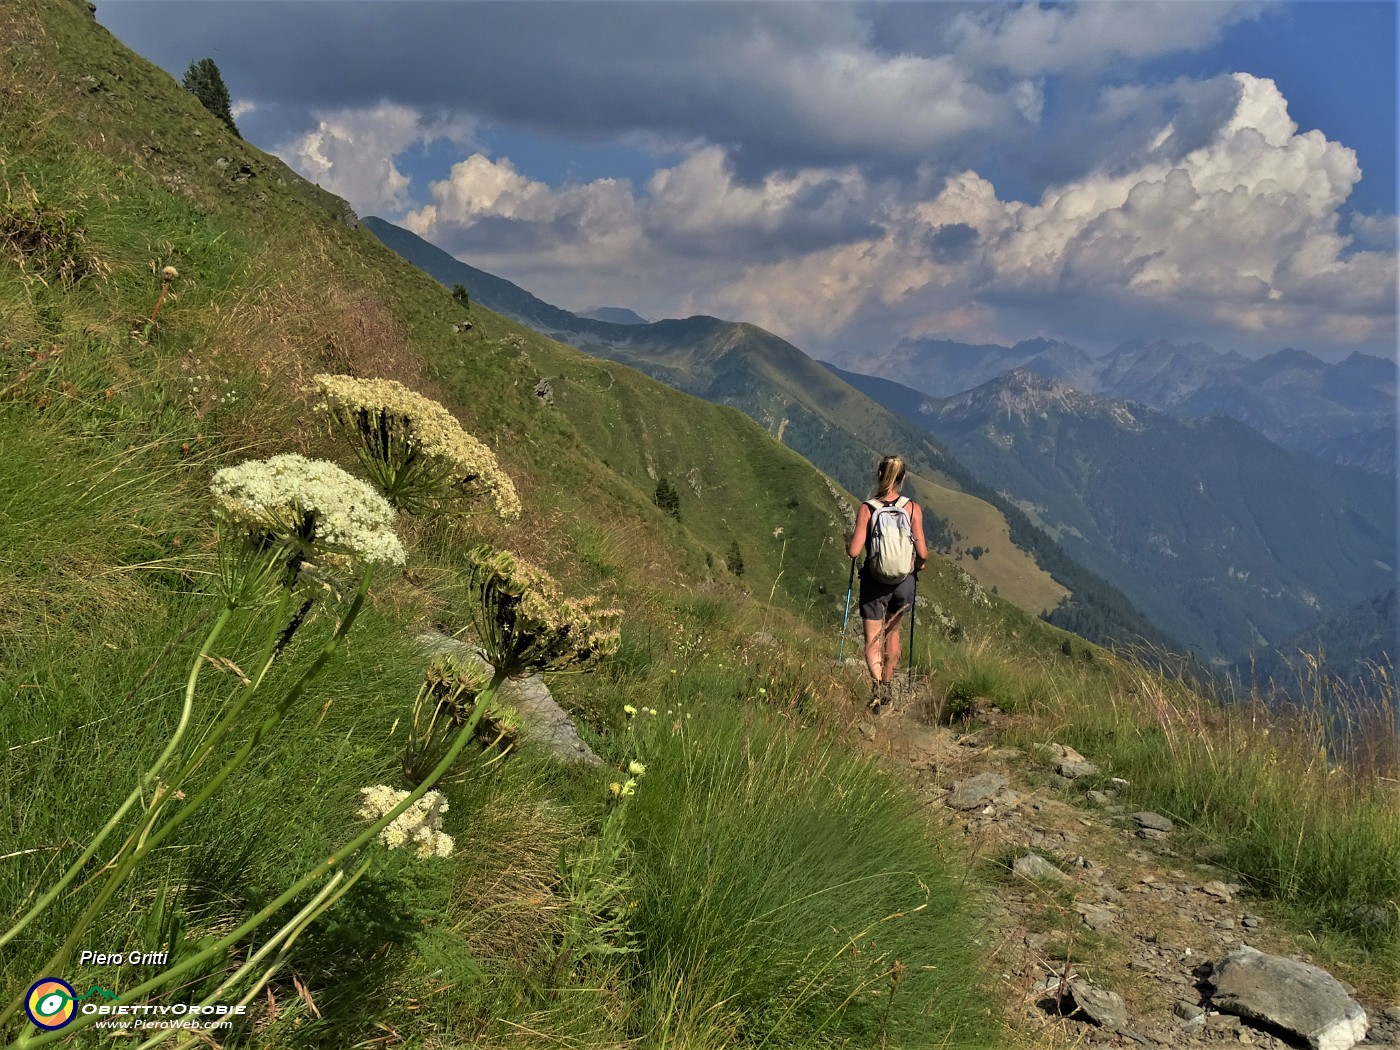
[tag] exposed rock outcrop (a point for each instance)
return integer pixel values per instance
(542, 720)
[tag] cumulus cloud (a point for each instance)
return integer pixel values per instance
(696, 211)
(1221, 217)
(1376, 231)
(352, 152)
(1241, 234)
(502, 210)
(833, 171)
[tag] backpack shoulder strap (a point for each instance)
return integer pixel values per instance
(902, 502)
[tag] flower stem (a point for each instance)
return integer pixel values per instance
(320, 870)
(139, 845)
(136, 794)
(250, 745)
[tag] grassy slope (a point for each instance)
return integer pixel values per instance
(805, 388)
(109, 429)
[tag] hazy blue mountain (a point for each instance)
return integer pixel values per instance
(1222, 538)
(1350, 646)
(942, 367)
(614, 315)
(1343, 412)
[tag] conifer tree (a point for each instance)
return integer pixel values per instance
(203, 80)
(734, 559)
(667, 498)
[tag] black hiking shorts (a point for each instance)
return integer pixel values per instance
(880, 601)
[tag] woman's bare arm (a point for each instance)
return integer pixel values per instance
(857, 543)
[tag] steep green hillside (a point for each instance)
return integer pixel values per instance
(167, 294)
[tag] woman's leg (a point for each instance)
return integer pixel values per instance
(890, 658)
(873, 655)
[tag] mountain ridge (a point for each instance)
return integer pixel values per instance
(1343, 412)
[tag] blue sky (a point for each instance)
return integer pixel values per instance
(848, 175)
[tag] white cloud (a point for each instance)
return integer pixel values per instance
(352, 152)
(699, 204)
(697, 209)
(1226, 220)
(1380, 230)
(594, 223)
(1241, 234)
(1030, 40)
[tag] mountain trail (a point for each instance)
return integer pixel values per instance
(1103, 926)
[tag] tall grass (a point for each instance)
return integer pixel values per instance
(1301, 802)
(1264, 789)
(788, 895)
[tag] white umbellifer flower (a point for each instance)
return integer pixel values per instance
(419, 827)
(311, 504)
(413, 447)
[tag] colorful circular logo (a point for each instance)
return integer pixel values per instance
(51, 1003)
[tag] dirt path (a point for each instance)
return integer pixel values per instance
(1131, 910)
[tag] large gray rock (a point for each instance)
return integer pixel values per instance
(1106, 1009)
(1290, 995)
(542, 720)
(1153, 821)
(978, 791)
(1034, 866)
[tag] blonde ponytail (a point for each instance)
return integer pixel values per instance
(889, 475)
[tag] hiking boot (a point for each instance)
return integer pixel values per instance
(881, 698)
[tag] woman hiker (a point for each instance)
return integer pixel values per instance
(883, 603)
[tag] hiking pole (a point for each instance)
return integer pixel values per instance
(841, 649)
(913, 609)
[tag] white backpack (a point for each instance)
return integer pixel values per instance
(891, 543)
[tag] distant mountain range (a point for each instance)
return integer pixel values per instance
(1222, 538)
(839, 429)
(1358, 646)
(614, 315)
(1343, 413)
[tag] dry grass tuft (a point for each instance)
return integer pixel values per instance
(45, 241)
(507, 901)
